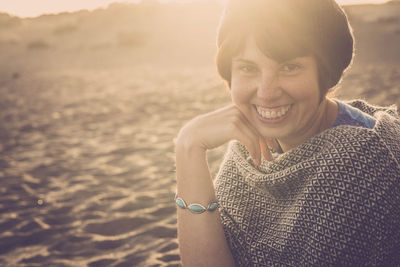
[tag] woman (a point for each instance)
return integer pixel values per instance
(307, 180)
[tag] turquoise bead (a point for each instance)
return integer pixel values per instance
(197, 208)
(213, 206)
(180, 203)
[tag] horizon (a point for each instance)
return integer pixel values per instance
(28, 8)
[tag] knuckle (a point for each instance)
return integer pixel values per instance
(236, 111)
(235, 120)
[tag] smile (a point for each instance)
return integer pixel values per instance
(273, 113)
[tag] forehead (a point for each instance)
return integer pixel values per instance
(252, 53)
(257, 44)
(249, 50)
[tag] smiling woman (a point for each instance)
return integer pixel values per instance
(281, 100)
(307, 180)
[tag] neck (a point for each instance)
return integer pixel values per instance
(323, 119)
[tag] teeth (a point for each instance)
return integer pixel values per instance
(273, 114)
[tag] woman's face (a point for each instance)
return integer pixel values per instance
(281, 100)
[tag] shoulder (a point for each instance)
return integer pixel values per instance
(349, 115)
(387, 126)
(381, 140)
(372, 109)
(385, 120)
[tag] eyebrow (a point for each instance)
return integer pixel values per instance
(243, 60)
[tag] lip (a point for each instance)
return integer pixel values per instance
(272, 108)
(273, 121)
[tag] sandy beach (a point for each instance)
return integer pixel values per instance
(90, 103)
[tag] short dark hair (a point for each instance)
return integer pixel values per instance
(285, 29)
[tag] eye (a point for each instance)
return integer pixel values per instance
(290, 68)
(248, 69)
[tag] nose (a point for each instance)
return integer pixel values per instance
(269, 87)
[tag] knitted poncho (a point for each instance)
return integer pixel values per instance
(332, 201)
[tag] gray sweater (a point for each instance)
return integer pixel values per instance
(332, 201)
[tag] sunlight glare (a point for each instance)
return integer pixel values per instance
(28, 8)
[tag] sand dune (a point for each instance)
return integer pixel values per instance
(90, 103)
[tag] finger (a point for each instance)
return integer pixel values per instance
(271, 143)
(262, 145)
(251, 132)
(245, 136)
(265, 150)
(252, 144)
(276, 145)
(259, 143)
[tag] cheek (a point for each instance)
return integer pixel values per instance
(304, 90)
(240, 93)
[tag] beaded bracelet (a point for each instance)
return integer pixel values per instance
(195, 207)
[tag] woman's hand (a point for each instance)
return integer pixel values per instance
(214, 129)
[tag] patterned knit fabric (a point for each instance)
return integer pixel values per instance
(332, 201)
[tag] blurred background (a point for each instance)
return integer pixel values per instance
(90, 101)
